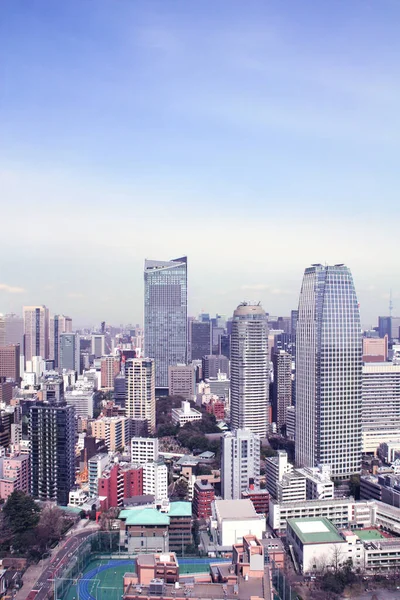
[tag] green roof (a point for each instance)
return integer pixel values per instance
(144, 516)
(180, 509)
(314, 530)
(369, 534)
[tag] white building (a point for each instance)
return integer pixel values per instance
(77, 497)
(140, 398)
(291, 422)
(96, 466)
(185, 414)
(144, 450)
(232, 519)
(380, 404)
(249, 369)
(240, 462)
(155, 480)
(319, 485)
(82, 400)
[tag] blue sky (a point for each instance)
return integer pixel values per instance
(256, 137)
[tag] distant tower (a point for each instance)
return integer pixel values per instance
(58, 324)
(36, 330)
(250, 369)
(281, 387)
(165, 315)
(329, 372)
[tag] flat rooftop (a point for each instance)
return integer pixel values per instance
(369, 534)
(315, 530)
(236, 509)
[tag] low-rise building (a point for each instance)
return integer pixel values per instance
(144, 530)
(232, 519)
(259, 499)
(182, 381)
(185, 414)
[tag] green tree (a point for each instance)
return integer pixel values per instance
(21, 512)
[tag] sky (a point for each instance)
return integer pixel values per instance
(254, 137)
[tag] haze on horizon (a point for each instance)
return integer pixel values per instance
(256, 138)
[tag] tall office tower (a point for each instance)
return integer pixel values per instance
(52, 439)
(2, 330)
(165, 315)
(250, 369)
(380, 404)
(281, 387)
(110, 367)
(294, 315)
(225, 345)
(98, 345)
(329, 372)
(214, 364)
(182, 381)
(9, 362)
(395, 328)
(14, 330)
(58, 324)
(36, 329)
(140, 396)
(69, 352)
(385, 327)
(240, 463)
(200, 339)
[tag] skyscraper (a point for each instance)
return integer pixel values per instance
(140, 397)
(69, 352)
(200, 339)
(58, 324)
(329, 372)
(281, 387)
(250, 369)
(36, 330)
(165, 315)
(52, 439)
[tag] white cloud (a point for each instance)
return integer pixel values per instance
(11, 289)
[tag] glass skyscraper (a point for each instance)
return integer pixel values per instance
(250, 369)
(165, 315)
(329, 372)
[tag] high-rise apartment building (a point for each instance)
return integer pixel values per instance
(380, 405)
(281, 387)
(240, 463)
(36, 331)
(329, 372)
(10, 362)
(110, 367)
(69, 354)
(52, 440)
(113, 430)
(200, 339)
(250, 369)
(140, 395)
(165, 315)
(58, 324)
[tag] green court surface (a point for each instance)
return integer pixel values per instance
(369, 534)
(107, 584)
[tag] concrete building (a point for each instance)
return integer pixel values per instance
(250, 370)
(316, 544)
(165, 315)
(58, 324)
(119, 481)
(155, 480)
(182, 381)
(240, 462)
(98, 345)
(140, 395)
(82, 400)
(329, 372)
(14, 474)
(113, 430)
(375, 349)
(203, 497)
(52, 439)
(233, 519)
(319, 485)
(96, 466)
(36, 331)
(185, 414)
(281, 387)
(380, 405)
(144, 530)
(291, 422)
(213, 364)
(144, 450)
(10, 362)
(14, 331)
(200, 339)
(219, 386)
(110, 368)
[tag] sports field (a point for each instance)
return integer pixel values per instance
(102, 579)
(369, 534)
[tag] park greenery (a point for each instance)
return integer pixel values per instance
(28, 530)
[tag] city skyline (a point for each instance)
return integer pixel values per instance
(277, 123)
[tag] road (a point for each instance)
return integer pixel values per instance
(60, 558)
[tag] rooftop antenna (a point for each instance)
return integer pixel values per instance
(390, 304)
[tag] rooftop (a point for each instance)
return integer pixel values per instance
(236, 509)
(314, 530)
(143, 516)
(180, 509)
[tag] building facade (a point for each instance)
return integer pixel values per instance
(165, 315)
(182, 381)
(36, 331)
(200, 339)
(250, 370)
(10, 362)
(329, 372)
(69, 352)
(240, 463)
(281, 387)
(140, 393)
